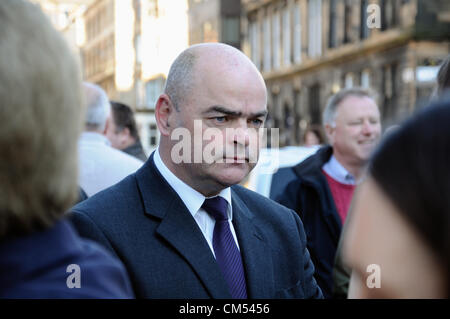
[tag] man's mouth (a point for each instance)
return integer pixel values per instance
(235, 159)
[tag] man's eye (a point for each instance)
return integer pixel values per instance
(256, 122)
(220, 119)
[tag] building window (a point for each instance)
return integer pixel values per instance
(332, 40)
(389, 89)
(267, 44)
(315, 27)
(365, 79)
(152, 8)
(286, 37)
(140, 94)
(348, 81)
(153, 135)
(364, 29)
(231, 30)
(297, 34)
(314, 103)
(276, 39)
(347, 21)
(388, 14)
(153, 90)
(138, 48)
(254, 43)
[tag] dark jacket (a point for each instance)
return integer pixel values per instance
(37, 266)
(136, 150)
(145, 223)
(310, 196)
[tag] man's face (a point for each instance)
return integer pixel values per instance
(233, 108)
(113, 134)
(356, 131)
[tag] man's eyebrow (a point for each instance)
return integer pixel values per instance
(224, 110)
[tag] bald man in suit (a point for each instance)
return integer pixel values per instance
(184, 229)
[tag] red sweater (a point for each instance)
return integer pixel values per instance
(342, 195)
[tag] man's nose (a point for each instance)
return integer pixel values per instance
(241, 134)
(368, 128)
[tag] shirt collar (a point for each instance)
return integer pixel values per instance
(190, 197)
(338, 172)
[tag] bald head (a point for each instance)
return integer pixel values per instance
(203, 62)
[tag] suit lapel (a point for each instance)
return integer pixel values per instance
(182, 232)
(254, 249)
(179, 228)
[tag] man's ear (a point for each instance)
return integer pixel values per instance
(329, 131)
(125, 137)
(107, 124)
(164, 114)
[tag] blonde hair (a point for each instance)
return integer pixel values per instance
(41, 111)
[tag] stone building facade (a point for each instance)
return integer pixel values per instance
(309, 49)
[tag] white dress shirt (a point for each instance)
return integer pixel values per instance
(338, 172)
(194, 201)
(100, 165)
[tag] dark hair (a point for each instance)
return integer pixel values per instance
(317, 130)
(124, 118)
(443, 76)
(411, 166)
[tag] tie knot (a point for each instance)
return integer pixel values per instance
(217, 207)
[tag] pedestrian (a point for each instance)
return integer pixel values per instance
(324, 184)
(185, 229)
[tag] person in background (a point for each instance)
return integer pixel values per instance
(323, 188)
(122, 131)
(41, 255)
(442, 87)
(101, 165)
(185, 229)
(313, 136)
(398, 237)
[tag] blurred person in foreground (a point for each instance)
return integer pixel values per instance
(185, 229)
(41, 255)
(324, 183)
(101, 165)
(397, 240)
(122, 131)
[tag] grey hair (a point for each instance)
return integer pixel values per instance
(329, 114)
(181, 77)
(98, 107)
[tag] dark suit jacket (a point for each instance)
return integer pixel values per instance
(145, 223)
(35, 266)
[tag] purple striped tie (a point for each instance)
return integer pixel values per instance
(227, 254)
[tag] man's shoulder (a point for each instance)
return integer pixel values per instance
(114, 198)
(255, 201)
(314, 163)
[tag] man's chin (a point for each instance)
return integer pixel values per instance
(232, 176)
